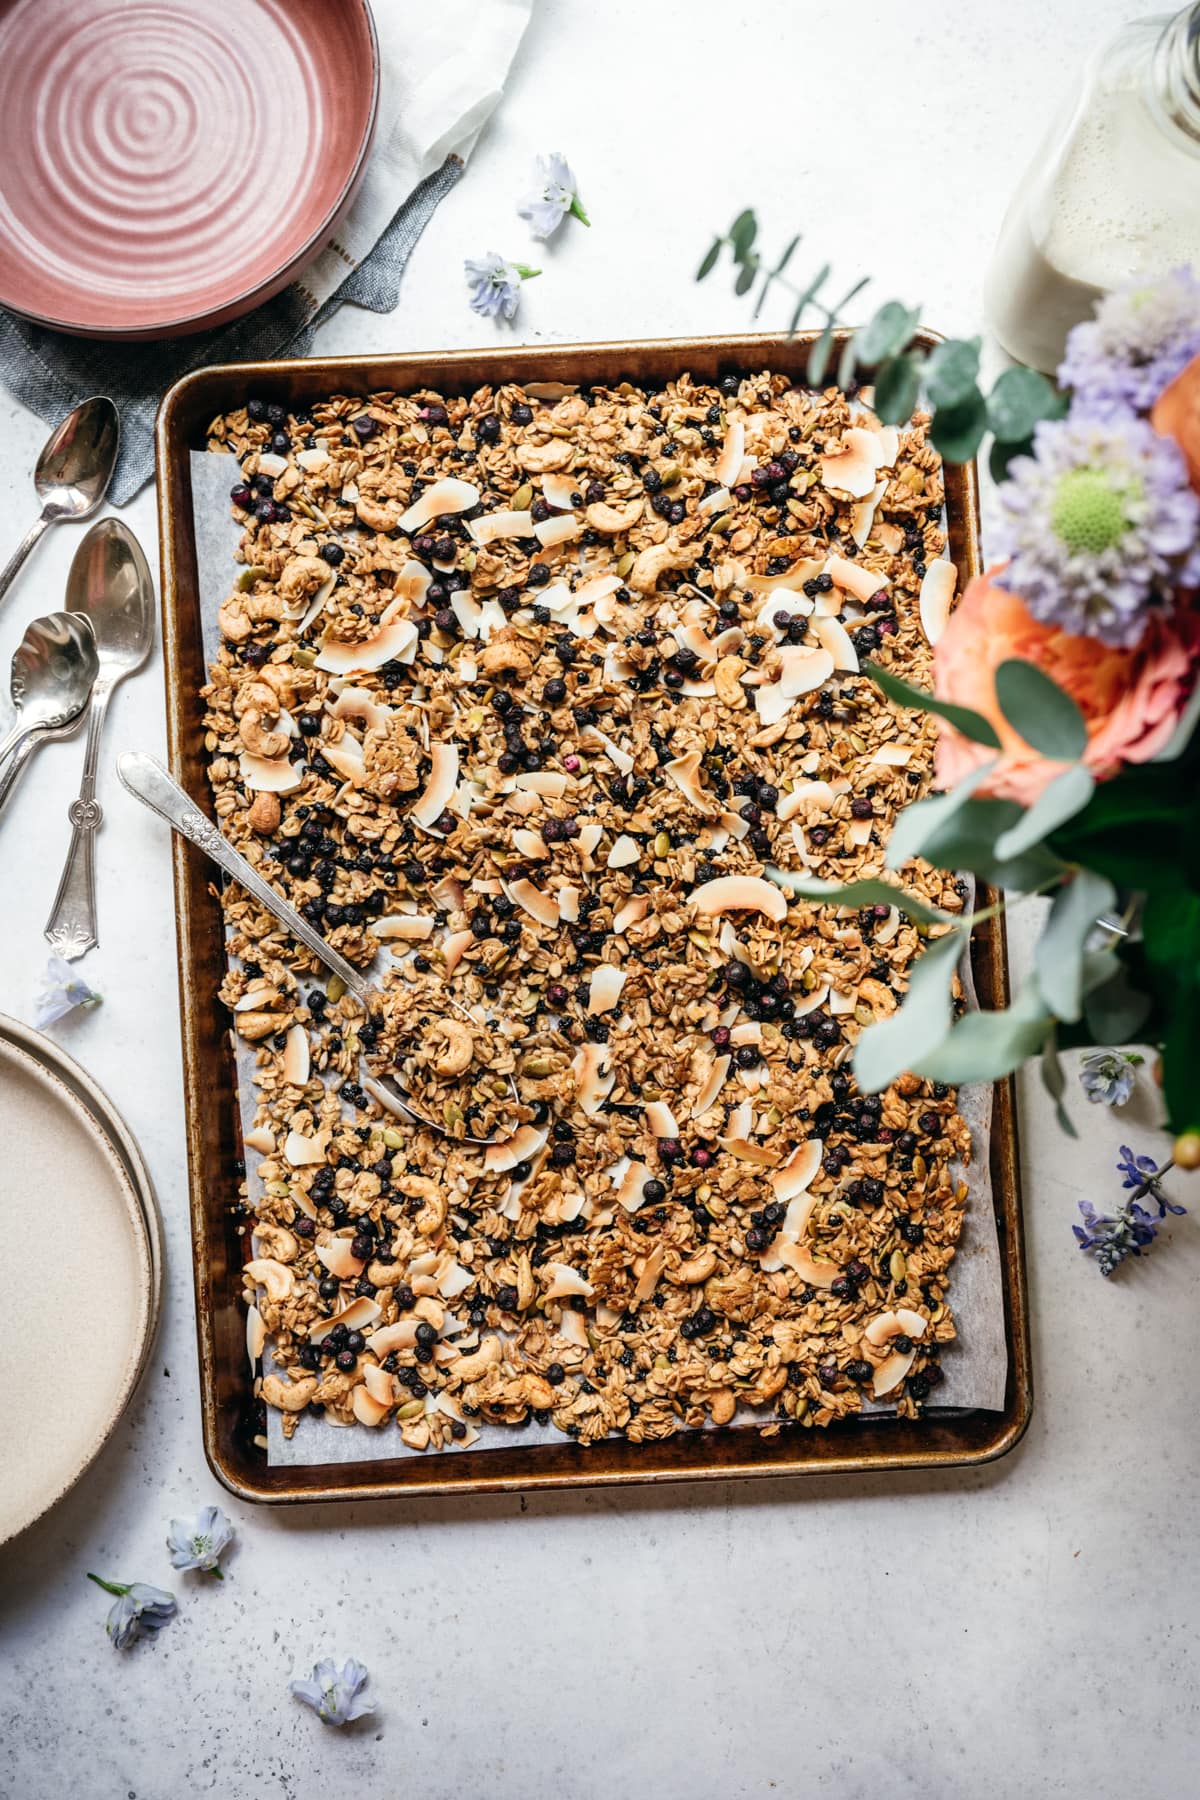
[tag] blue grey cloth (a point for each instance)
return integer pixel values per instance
(50, 372)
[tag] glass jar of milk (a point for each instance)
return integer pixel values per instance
(1112, 195)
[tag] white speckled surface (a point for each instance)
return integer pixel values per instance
(1030, 1629)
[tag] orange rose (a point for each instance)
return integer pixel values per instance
(1131, 699)
(1176, 414)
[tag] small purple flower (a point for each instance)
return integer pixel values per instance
(199, 1543)
(1111, 1237)
(496, 285)
(138, 1608)
(1098, 522)
(553, 196)
(61, 992)
(333, 1693)
(1144, 1176)
(1140, 339)
(1107, 1076)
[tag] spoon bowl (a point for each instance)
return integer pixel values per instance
(53, 669)
(73, 473)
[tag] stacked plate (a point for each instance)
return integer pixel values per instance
(83, 1255)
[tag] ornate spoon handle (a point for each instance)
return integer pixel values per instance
(71, 927)
(149, 781)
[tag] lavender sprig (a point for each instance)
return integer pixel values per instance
(1111, 1237)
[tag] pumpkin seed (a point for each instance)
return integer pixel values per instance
(539, 1066)
(522, 497)
(670, 473)
(412, 1409)
(625, 563)
(248, 577)
(335, 988)
(662, 843)
(393, 1140)
(864, 1015)
(898, 1265)
(304, 658)
(278, 1188)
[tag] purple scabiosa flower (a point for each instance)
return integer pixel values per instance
(553, 195)
(139, 1607)
(60, 993)
(1097, 522)
(1107, 1076)
(333, 1693)
(496, 285)
(200, 1543)
(1140, 339)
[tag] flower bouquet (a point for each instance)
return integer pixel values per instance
(1065, 687)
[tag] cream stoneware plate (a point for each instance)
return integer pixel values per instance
(82, 1250)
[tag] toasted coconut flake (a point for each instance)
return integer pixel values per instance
(889, 445)
(379, 1384)
(336, 1256)
(620, 759)
(716, 502)
(810, 1002)
(566, 1282)
(559, 490)
(891, 537)
(454, 1280)
(367, 1410)
(594, 1081)
(746, 1150)
(443, 780)
(571, 1327)
(748, 1032)
(885, 1326)
(718, 1073)
(499, 525)
(548, 782)
(295, 1056)
(661, 1119)
(261, 1139)
(801, 1167)
(605, 989)
(400, 1336)
(346, 756)
(624, 853)
(530, 843)
(563, 528)
(449, 496)
(896, 756)
(864, 584)
(859, 832)
(524, 1144)
(396, 642)
(539, 906)
(651, 1271)
(832, 634)
(632, 913)
(729, 464)
(454, 948)
(862, 516)
(256, 1335)
(270, 464)
(684, 771)
(803, 667)
(801, 795)
(630, 1193)
(317, 604)
(269, 774)
(410, 928)
(413, 582)
(814, 1271)
(739, 893)
(851, 470)
(568, 903)
(451, 895)
(891, 1372)
(357, 703)
(937, 597)
(304, 1152)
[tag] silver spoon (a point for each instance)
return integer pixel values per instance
(73, 473)
(110, 582)
(150, 783)
(53, 670)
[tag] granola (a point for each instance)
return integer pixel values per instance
(524, 691)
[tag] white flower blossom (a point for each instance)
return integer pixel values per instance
(333, 1693)
(199, 1543)
(61, 992)
(554, 195)
(138, 1607)
(495, 285)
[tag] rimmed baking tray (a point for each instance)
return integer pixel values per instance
(862, 1444)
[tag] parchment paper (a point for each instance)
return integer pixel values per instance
(975, 1366)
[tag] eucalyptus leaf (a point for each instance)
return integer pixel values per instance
(818, 360)
(1020, 398)
(1001, 455)
(1184, 730)
(1042, 712)
(1058, 801)
(886, 333)
(862, 893)
(1114, 1009)
(925, 819)
(786, 258)
(957, 431)
(985, 1046)
(973, 725)
(897, 386)
(742, 233)
(847, 361)
(1059, 953)
(918, 1025)
(746, 275)
(710, 260)
(969, 842)
(1054, 1080)
(952, 371)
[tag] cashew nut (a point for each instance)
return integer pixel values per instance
(603, 517)
(722, 1406)
(277, 1242)
(232, 622)
(432, 1216)
(727, 679)
(541, 459)
(454, 1046)
(506, 655)
(257, 694)
(655, 561)
(698, 1269)
(470, 1368)
(264, 814)
(275, 1277)
(255, 1025)
(258, 740)
(536, 1392)
(288, 1396)
(431, 1310)
(302, 576)
(377, 515)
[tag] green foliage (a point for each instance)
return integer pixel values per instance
(882, 350)
(1040, 711)
(973, 725)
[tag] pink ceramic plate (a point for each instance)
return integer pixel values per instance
(165, 165)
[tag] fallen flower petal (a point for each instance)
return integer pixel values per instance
(199, 1543)
(61, 992)
(333, 1693)
(554, 194)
